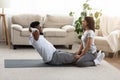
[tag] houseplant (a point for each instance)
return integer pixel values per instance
(87, 11)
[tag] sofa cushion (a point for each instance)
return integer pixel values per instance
(25, 19)
(100, 40)
(68, 28)
(57, 21)
(54, 32)
(25, 32)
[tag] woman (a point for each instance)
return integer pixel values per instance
(87, 52)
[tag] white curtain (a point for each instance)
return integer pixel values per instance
(109, 7)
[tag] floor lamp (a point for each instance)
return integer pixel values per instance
(5, 31)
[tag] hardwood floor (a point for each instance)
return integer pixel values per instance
(115, 61)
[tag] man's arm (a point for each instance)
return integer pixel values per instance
(36, 35)
(30, 29)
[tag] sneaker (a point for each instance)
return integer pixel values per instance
(99, 58)
(99, 53)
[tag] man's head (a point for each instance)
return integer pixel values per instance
(35, 25)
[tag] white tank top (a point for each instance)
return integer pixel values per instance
(44, 47)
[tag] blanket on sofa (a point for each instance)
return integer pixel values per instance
(110, 27)
(114, 40)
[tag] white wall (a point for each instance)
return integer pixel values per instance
(109, 7)
(45, 6)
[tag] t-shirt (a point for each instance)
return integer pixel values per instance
(44, 47)
(85, 36)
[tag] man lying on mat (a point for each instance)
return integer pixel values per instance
(53, 56)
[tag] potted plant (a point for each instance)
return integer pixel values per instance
(87, 11)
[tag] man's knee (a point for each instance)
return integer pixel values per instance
(81, 64)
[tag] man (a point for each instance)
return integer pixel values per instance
(47, 51)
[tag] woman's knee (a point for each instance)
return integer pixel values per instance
(84, 64)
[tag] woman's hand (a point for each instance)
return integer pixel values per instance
(77, 57)
(78, 52)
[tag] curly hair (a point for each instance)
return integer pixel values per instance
(91, 23)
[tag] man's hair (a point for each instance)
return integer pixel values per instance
(34, 24)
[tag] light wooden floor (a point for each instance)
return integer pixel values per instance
(115, 61)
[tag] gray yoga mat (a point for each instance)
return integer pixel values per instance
(28, 63)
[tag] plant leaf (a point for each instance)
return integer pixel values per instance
(96, 14)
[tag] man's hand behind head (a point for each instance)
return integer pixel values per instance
(35, 34)
(33, 29)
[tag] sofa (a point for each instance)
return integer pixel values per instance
(108, 36)
(57, 29)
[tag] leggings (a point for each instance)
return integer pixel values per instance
(86, 60)
(62, 57)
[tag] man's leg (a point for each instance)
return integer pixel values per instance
(86, 60)
(62, 57)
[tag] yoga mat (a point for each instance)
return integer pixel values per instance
(28, 63)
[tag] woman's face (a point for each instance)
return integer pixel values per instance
(84, 24)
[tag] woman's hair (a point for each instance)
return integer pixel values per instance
(90, 23)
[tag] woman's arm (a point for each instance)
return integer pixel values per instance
(80, 49)
(88, 44)
(84, 51)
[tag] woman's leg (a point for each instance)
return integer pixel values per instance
(86, 60)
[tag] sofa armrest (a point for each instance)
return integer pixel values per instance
(68, 28)
(16, 27)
